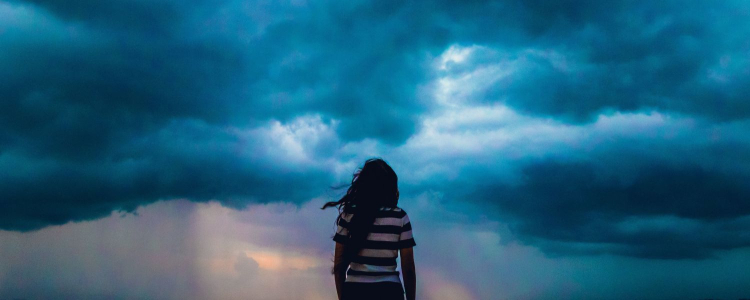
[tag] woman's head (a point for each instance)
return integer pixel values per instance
(373, 185)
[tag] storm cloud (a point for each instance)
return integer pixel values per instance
(589, 127)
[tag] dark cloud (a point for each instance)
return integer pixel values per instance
(641, 185)
(660, 210)
(184, 160)
(83, 82)
(111, 106)
(617, 56)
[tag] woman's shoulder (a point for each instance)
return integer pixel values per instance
(398, 208)
(391, 208)
(394, 212)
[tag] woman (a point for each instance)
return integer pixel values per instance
(372, 230)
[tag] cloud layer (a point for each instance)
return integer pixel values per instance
(187, 250)
(588, 127)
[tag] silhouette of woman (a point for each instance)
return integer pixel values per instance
(371, 231)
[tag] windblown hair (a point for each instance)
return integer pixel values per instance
(373, 186)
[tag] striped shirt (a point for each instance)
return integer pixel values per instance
(376, 262)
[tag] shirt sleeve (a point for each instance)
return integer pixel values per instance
(406, 239)
(342, 233)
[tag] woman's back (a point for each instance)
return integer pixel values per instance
(376, 260)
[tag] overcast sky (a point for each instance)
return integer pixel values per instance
(545, 149)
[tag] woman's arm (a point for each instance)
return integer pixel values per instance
(339, 268)
(409, 272)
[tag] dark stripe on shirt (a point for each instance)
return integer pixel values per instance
(376, 245)
(389, 245)
(379, 228)
(340, 238)
(407, 243)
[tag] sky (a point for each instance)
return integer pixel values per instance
(182, 149)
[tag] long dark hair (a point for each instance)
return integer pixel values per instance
(373, 186)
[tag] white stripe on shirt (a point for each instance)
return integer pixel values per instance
(371, 268)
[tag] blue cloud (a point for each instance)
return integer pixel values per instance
(111, 106)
